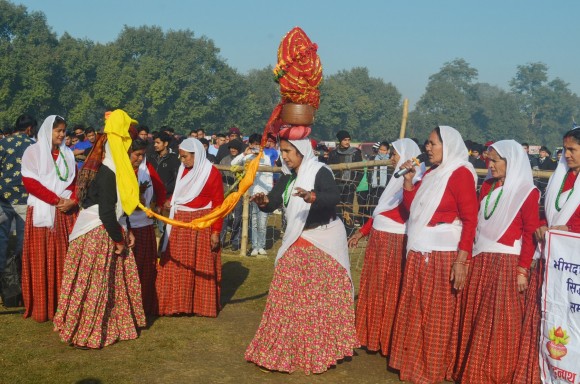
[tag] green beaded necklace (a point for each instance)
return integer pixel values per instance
(485, 215)
(287, 194)
(65, 178)
(557, 204)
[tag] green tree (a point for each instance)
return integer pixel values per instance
(367, 107)
(27, 65)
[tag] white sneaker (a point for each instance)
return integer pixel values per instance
(254, 252)
(262, 251)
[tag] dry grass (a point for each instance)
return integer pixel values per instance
(173, 349)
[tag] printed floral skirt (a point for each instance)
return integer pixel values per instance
(308, 322)
(100, 298)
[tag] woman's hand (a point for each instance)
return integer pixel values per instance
(354, 239)
(459, 270)
(540, 234)
(131, 239)
(119, 248)
(214, 241)
(408, 182)
(65, 205)
(261, 199)
(522, 278)
(306, 195)
(167, 205)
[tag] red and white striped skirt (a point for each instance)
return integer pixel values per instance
(145, 252)
(380, 287)
(100, 299)
(189, 274)
(528, 369)
(43, 254)
(492, 321)
(425, 336)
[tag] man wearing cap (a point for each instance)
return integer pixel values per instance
(347, 180)
(223, 150)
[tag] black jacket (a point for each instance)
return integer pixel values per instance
(166, 167)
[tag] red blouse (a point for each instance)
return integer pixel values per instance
(523, 226)
(213, 191)
(158, 186)
(458, 201)
(34, 187)
(398, 214)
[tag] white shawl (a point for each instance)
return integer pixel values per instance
(518, 184)
(332, 240)
(188, 187)
(392, 196)
(38, 164)
(428, 197)
(568, 204)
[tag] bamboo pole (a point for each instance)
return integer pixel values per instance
(404, 120)
(245, 221)
(362, 164)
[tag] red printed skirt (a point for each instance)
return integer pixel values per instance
(43, 254)
(145, 252)
(492, 321)
(528, 370)
(189, 274)
(380, 287)
(100, 299)
(425, 336)
(308, 322)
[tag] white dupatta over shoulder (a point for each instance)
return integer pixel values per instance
(38, 164)
(330, 238)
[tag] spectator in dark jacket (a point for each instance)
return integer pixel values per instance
(166, 162)
(545, 161)
(347, 180)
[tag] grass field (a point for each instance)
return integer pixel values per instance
(174, 349)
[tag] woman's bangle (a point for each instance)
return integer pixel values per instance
(312, 197)
(462, 262)
(522, 271)
(522, 274)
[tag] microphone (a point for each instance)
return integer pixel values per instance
(417, 160)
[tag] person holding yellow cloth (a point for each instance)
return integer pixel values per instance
(100, 298)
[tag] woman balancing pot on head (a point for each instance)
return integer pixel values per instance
(440, 232)
(562, 210)
(493, 301)
(100, 299)
(143, 227)
(308, 322)
(48, 174)
(382, 271)
(189, 274)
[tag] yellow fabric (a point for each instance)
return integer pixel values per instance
(117, 130)
(226, 207)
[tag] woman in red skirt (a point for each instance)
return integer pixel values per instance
(189, 275)
(562, 209)
(100, 298)
(143, 227)
(308, 322)
(380, 282)
(502, 254)
(48, 173)
(440, 231)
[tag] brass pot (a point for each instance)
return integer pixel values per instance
(297, 114)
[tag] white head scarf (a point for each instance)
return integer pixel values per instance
(297, 210)
(518, 184)
(38, 164)
(568, 204)
(188, 187)
(434, 183)
(392, 196)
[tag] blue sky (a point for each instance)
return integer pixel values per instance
(402, 42)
